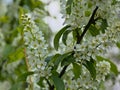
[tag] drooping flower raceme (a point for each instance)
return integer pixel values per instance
(36, 48)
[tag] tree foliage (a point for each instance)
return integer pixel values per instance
(76, 61)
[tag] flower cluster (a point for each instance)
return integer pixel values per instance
(89, 47)
(92, 46)
(85, 82)
(97, 45)
(103, 68)
(36, 48)
(82, 9)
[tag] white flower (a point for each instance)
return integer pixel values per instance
(36, 48)
(103, 68)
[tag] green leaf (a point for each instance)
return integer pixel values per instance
(104, 25)
(91, 68)
(114, 2)
(68, 6)
(60, 59)
(19, 86)
(40, 83)
(90, 4)
(93, 30)
(58, 83)
(54, 59)
(65, 34)
(47, 59)
(57, 58)
(55, 73)
(23, 76)
(21, 67)
(87, 13)
(58, 35)
(15, 86)
(75, 32)
(118, 44)
(7, 50)
(68, 60)
(113, 66)
(77, 70)
(17, 55)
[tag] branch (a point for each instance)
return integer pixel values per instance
(51, 87)
(91, 21)
(79, 38)
(63, 71)
(64, 68)
(27, 65)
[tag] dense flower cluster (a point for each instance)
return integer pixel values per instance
(82, 9)
(103, 68)
(36, 48)
(85, 82)
(92, 46)
(98, 45)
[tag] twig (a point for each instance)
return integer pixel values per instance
(63, 71)
(91, 21)
(79, 39)
(27, 64)
(51, 87)
(64, 68)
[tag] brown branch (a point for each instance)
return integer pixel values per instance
(65, 67)
(51, 87)
(63, 71)
(26, 60)
(91, 21)
(27, 64)
(79, 39)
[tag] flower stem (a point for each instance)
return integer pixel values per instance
(27, 64)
